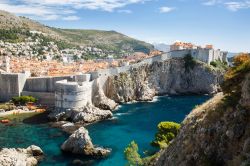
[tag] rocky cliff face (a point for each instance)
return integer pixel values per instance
(168, 77)
(215, 133)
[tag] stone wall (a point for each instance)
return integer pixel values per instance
(117, 70)
(11, 85)
(43, 84)
(72, 94)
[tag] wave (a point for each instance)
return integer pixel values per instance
(120, 114)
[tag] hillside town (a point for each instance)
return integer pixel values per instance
(47, 59)
(44, 58)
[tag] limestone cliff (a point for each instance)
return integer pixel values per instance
(215, 133)
(169, 77)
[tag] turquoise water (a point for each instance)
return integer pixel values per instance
(136, 121)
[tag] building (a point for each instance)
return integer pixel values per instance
(206, 54)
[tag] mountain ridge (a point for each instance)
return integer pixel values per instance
(109, 40)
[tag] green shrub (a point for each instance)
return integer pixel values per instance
(189, 62)
(22, 100)
(134, 158)
(132, 155)
(219, 64)
(167, 131)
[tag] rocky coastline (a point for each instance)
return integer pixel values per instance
(139, 84)
(21, 157)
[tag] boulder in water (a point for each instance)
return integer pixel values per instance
(80, 143)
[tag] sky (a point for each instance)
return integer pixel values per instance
(223, 23)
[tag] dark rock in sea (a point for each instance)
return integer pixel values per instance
(80, 143)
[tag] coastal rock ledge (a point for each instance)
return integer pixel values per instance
(21, 157)
(80, 143)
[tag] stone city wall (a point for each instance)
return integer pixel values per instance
(11, 85)
(72, 94)
(117, 70)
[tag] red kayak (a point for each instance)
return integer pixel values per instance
(5, 121)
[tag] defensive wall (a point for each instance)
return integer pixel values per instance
(11, 85)
(76, 91)
(42, 88)
(117, 70)
(73, 94)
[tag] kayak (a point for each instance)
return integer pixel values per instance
(5, 121)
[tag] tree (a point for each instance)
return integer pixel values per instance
(241, 58)
(167, 131)
(189, 62)
(132, 155)
(22, 100)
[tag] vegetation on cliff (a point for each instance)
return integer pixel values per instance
(167, 131)
(219, 64)
(232, 86)
(189, 62)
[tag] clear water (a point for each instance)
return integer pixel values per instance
(136, 121)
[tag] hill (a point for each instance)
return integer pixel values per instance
(16, 29)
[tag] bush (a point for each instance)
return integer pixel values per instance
(240, 59)
(167, 131)
(219, 64)
(189, 62)
(22, 100)
(231, 86)
(132, 155)
(134, 158)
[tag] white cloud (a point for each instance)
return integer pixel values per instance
(230, 5)
(125, 11)
(235, 6)
(61, 9)
(211, 2)
(71, 18)
(166, 9)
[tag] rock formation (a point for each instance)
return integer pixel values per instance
(215, 133)
(20, 157)
(80, 143)
(140, 83)
(168, 77)
(87, 114)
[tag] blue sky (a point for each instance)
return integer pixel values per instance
(223, 23)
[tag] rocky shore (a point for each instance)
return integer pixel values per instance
(21, 157)
(80, 143)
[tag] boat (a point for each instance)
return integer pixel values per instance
(5, 121)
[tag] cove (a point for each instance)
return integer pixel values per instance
(135, 121)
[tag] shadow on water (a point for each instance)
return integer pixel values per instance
(41, 118)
